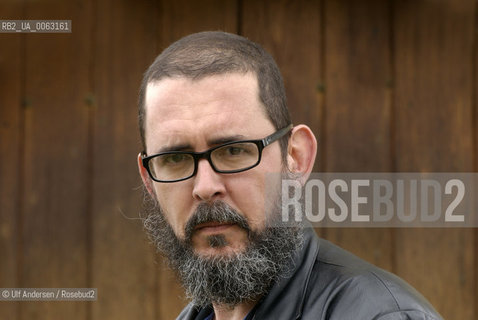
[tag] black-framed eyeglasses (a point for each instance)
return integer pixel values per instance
(231, 157)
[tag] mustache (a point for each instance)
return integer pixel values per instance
(219, 212)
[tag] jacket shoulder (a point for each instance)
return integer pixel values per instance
(344, 286)
(188, 313)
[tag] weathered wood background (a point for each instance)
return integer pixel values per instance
(385, 85)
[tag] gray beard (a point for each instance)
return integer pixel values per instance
(230, 279)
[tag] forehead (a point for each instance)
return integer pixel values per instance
(187, 109)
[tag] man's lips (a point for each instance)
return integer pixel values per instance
(211, 227)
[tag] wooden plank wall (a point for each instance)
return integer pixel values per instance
(433, 108)
(385, 85)
(123, 44)
(11, 166)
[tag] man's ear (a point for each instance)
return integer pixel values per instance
(147, 181)
(301, 152)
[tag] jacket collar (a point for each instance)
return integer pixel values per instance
(287, 296)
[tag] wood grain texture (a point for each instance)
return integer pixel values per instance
(358, 108)
(183, 17)
(123, 267)
(178, 19)
(474, 63)
(433, 41)
(358, 86)
(11, 164)
(54, 234)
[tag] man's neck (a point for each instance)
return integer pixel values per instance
(238, 312)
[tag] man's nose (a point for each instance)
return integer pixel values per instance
(208, 184)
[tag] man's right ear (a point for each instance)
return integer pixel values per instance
(147, 181)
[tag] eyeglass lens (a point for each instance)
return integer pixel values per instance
(229, 158)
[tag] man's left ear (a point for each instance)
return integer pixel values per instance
(301, 152)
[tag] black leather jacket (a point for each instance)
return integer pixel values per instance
(331, 283)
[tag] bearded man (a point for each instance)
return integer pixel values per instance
(214, 125)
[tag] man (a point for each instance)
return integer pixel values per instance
(214, 125)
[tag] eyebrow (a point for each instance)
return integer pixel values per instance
(211, 143)
(176, 147)
(227, 139)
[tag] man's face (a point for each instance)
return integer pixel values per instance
(195, 115)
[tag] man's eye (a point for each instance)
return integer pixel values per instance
(174, 158)
(234, 151)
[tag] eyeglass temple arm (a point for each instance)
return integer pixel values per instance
(276, 135)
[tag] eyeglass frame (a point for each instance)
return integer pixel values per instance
(260, 143)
